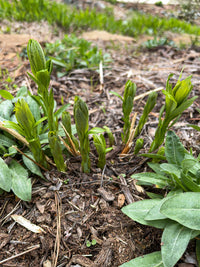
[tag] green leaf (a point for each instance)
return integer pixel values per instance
(6, 141)
(137, 211)
(21, 185)
(6, 109)
(153, 156)
(61, 109)
(96, 130)
(188, 182)
(183, 107)
(31, 165)
(174, 150)
(5, 176)
(194, 127)
(175, 239)
(183, 208)
(171, 169)
(5, 94)
(116, 94)
(150, 260)
(150, 178)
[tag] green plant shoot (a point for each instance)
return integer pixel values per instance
(27, 127)
(41, 70)
(138, 145)
(56, 151)
(151, 101)
(176, 101)
(127, 106)
(81, 117)
(100, 144)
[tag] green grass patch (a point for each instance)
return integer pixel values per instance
(71, 19)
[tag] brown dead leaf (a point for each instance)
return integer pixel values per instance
(120, 200)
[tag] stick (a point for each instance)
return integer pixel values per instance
(20, 254)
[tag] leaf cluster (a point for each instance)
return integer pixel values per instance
(179, 212)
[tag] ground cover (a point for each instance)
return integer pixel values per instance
(84, 222)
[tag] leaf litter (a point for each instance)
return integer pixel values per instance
(74, 207)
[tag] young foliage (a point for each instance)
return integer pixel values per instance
(176, 101)
(81, 117)
(151, 101)
(178, 213)
(100, 144)
(72, 53)
(41, 70)
(127, 106)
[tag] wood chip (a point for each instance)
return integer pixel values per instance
(108, 196)
(27, 224)
(121, 200)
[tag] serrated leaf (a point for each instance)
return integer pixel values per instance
(175, 239)
(31, 165)
(21, 185)
(150, 260)
(5, 176)
(183, 208)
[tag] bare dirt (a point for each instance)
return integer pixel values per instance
(73, 208)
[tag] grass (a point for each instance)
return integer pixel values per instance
(71, 19)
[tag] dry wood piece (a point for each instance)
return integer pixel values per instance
(125, 189)
(108, 196)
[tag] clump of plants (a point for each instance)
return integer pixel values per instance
(33, 127)
(72, 53)
(178, 212)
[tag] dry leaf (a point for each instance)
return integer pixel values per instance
(27, 224)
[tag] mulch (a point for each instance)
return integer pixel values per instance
(74, 208)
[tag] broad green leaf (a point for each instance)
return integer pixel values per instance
(156, 168)
(175, 239)
(150, 178)
(21, 185)
(6, 141)
(174, 150)
(150, 260)
(6, 109)
(171, 169)
(5, 94)
(183, 208)
(137, 211)
(5, 176)
(22, 91)
(31, 165)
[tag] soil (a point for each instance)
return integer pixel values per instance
(74, 208)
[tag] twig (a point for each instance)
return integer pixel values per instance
(20, 254)
(58, 232)
(125, 189)
(131, 136)
(148, 93)
(103, 175)
(39, 165)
